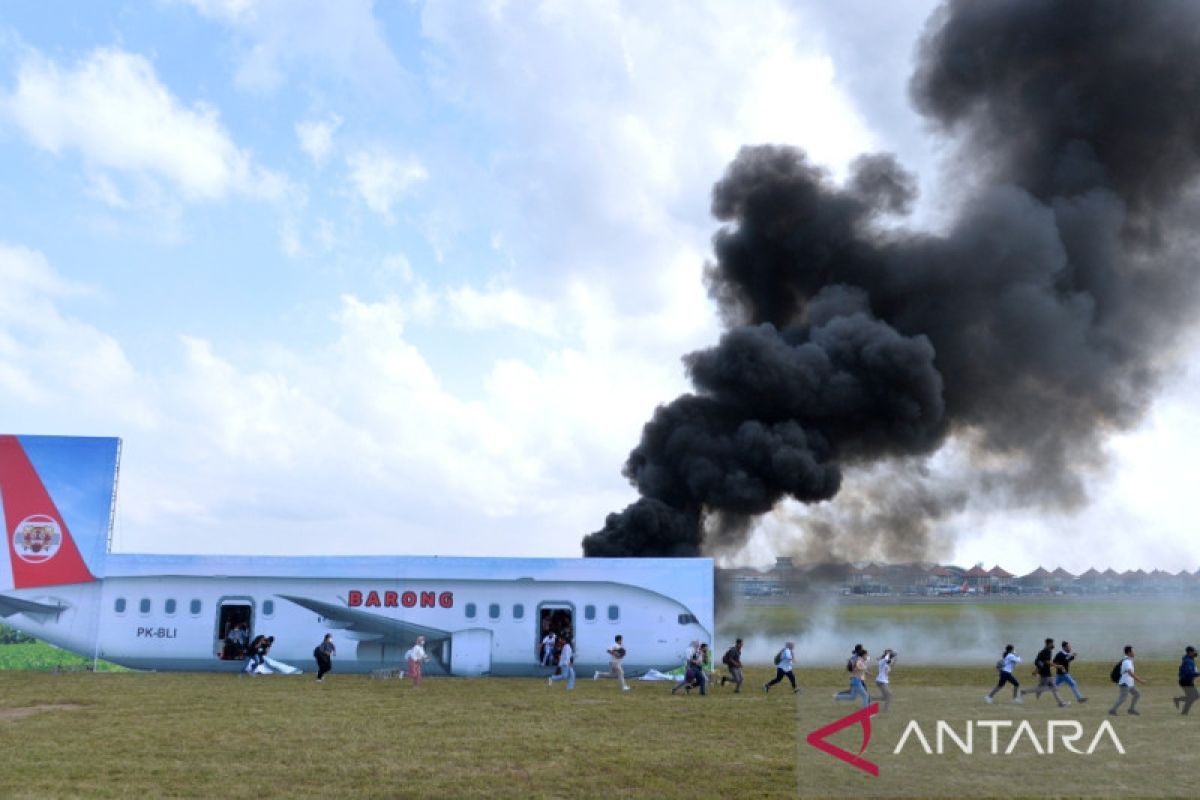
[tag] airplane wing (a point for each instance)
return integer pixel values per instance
(39, 611)
(365, 626)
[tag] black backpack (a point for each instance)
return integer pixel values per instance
(779, 657)
(850, 663)
(729, 657)
(1115, 675)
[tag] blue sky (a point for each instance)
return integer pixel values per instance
(409, 277)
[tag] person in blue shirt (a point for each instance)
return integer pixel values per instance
(1187, 680)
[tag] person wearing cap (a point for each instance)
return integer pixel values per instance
(1187, 680)
(1062, 666)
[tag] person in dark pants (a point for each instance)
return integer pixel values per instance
(1005, 666)
(1187, 680)
(784, 660)
(324, 653)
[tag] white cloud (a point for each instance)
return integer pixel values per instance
(381, 178)
(55, 364)
(316, 137)
(112, 109)
(341, 39)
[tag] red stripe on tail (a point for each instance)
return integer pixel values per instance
(40, 547)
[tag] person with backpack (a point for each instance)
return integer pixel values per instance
(733, 662)
(1126, 679)
(1043, 668)
(1187, 680)
(1062, 666)
(1005, 666)
(784, 660)
(857, 666)
(324, 653)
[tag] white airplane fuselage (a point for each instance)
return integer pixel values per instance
(474, 626)
(60, 583)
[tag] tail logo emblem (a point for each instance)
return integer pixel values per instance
(37, 539)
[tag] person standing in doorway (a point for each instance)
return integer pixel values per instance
(324, 653)
(1127, 683)
(416, 657)
(616, 654)
(784, 661)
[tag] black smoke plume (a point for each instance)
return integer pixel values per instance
(1039, 320)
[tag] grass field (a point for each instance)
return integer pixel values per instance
(169, 735)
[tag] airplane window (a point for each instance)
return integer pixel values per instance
(119, 606)
(686, 619)
(195, 607)
(589, 613)
(470, 611)
(268, 607)
(169, 606)
(144, 605)
(614, 613)
(494, 611)
(518, 611)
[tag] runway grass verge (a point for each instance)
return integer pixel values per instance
(184, 735)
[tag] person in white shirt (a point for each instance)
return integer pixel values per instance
(883, 677)
(616, 655)
(784, 660)
(548, 649)
(1008, 662)
(566, 660)
(1128, 684)
(416, 656)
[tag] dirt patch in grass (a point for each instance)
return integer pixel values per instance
(29, 711)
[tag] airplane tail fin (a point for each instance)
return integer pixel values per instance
(47, 542)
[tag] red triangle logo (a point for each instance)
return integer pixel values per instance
(861, 717)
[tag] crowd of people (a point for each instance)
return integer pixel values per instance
(1051, 669)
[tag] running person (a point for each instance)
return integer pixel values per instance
(616, 655)
(1187, 680)
(1062, 666)
(733, 662)
(1127, 683)
(783, 668)
(1007, 663)
(1043, 668)
(858, 679)
(324, 653)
